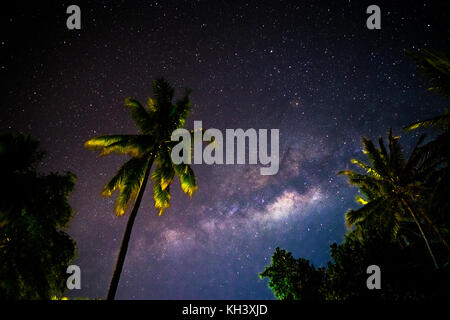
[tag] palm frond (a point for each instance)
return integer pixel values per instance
(151, 106)
(354, 216)
(396, 157)
(416, 159)
(161, 197)
(182, 109)
(359, 199)
(188, 181)
(103, 141)
(383, 150)
(163, 92)
(441, 122)
(372, 218)
(436, 67)
(128, 180)
(140, 116)
(163, 175)
(124, 198)
(375, 157)
(368, 184)
(133, 145)
(366, 167)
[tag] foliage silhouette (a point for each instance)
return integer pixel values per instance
(436, 66)
(398, 197)
(404, 275)
(34, 250)
(293, 279)
(391, 186)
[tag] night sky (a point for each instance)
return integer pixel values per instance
(313, 71)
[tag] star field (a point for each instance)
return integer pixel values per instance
(313, 71)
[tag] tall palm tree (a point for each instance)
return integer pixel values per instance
(156, 122)
(436, 67)
(391, 187)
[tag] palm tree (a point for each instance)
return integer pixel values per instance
(391, 188)
(156, 122)
(436, 67)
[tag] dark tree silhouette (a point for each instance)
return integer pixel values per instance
(398, 196)
(34, 251)
(391, 187)
(436, 67)
(293, 279)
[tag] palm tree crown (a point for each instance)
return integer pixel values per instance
(156, 122)
(390, 189)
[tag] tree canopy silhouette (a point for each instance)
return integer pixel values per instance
(392, 188)
(34, 210)
(399, 196)
(436, 66)
(293, 279)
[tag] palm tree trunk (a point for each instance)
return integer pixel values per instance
(436, 230)
(126, 237)
(422, 233)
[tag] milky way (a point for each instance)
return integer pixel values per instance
(315, 72)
